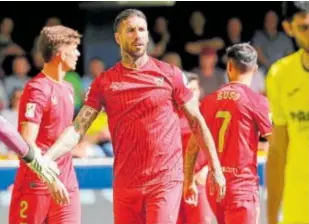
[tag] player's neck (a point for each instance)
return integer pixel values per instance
(54, 72)
(133, 62)
(243, 79)
(305, 60)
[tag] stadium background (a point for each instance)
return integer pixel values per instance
(95, 175)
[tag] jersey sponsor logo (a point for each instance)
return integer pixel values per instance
(159, 81)
(30, 110)
(300, 116)
(116, 86)
(292, 93)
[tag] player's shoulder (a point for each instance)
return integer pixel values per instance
(210, 98)
(68, 85)
(40, 81)
(164, 67)
(282, 67)
(111, 71)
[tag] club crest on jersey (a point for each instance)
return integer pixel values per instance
(53, 100)
(159, 81)
(30, 110)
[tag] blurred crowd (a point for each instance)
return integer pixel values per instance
(199, 53)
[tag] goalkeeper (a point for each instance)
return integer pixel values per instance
(11, 138)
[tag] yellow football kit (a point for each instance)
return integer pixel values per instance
(288, 92)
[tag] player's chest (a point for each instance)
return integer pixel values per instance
(295, 102)
(130, 90)
(60, 104)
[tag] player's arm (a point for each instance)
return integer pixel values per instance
(33, 102)
(196, 47)
(275, 168)
(12, 139)
(276, 161)
(184, 98)
(71, 136)
(202, 134)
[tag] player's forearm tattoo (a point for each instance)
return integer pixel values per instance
(202, 133)
(190, 159)
(84, 119)
(72, 135)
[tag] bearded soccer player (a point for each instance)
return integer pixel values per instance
(288, 92)
(139, 95)
(237, 117)
(201, 213)
(12, 139)
(46, 109)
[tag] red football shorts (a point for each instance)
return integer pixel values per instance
(200, 214)
(238, 207)
(40, 209)
(154, 204)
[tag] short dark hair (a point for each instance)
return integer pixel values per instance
(123, 15)
(290, 8)
(243, 55)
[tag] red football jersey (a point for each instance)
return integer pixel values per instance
(142, 120)
(50, 105)
(237, 116)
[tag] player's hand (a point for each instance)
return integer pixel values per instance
(217, 184)
(59, 192)
(190, 193)
(47, 170)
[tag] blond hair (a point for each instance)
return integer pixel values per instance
(52, 38)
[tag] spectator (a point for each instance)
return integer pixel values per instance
(160, 38)
(7, 45)
(3, 97)
(211, 77)
(96, 67)
(270, 43)
(233, 36)
(198, 39)
(19, 78)
(174, 59)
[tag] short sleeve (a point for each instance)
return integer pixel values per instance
(33, 103)
(273, 95)
(93, 96)
(262, 115)
(181, 93)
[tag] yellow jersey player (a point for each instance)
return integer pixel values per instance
(288, 92)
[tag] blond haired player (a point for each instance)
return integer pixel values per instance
(288, 93)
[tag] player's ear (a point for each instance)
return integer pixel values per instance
(117, 38)
(255, 69)
(287, 28)
(229, 66)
